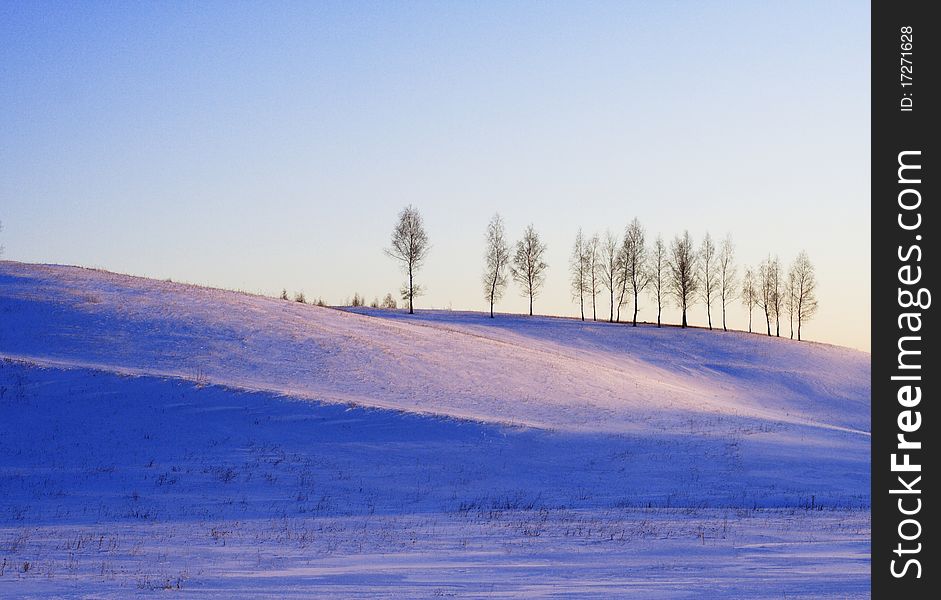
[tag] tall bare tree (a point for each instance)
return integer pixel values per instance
(594, 278)
(765, 291)
(728, 281)
(749, 293)
(410, 247)
(777, 295)
(497, 258)
(657, 267)
(579, 268)
(608, 260)
(684, 272)
(805, 285)
(529, 268)
(621, 280)
(769, 289)
(635, 262)
(708, 275)
(790, 298)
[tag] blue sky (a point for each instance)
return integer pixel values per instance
(267, 145)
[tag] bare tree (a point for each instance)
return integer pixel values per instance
(708, 263)
(656, 270)
(805, 286)
(635, 262)
(528, 268)
(790, 298)
(579, 268)
(777, 295)
(623, 279)
(497, 259)
(608, 261)
(765, 291)
(388, 302)
(684, 272)
(410, 247)
(749, 293)
(727, 275)
(770, 296)
(594, 278)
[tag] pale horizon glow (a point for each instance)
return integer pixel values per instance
(267, 146)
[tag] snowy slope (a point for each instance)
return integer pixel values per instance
(544, 372)
(157, 435)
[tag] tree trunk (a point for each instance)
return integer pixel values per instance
(799, 307)
(411, 292)
(709, 315)
(724, 328)
(684, 316)
(581, 300)
(611, 316)
(493, 292)
(620, 303)
(768, 320)
(635, 310)
(749, 318)
(659, 310)
(530, 304)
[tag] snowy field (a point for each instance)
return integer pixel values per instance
(157, 436)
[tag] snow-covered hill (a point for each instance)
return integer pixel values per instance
(264, 445)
